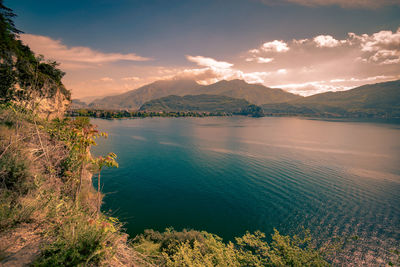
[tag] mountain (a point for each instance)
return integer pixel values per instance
(136, 98)
(200, 103)
(78, 104)
(254, 93)
(378, 99)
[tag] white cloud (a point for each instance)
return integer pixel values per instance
(254, 51)
(215, 71)
(209, 62)
(256, 77)
(334, 85)
(281, 71)
(275, 46)
(310, 88)
(261, 60)
(326, 41)
(382, 47)
(76, 56)
(340, 65)
(264, 59)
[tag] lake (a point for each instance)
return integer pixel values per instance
(227, 175)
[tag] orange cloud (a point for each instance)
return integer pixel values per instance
(76, 56)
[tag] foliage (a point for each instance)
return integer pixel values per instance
(117, 114)
(97, 165)
(282, 251)
(24, 76)
(13, 210)
(30, 192)
(194, 248)
(14, 171)
(253, 110)
(196, 103)
(78, 238)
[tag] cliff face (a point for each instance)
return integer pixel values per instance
(28, 79)
(52, 107)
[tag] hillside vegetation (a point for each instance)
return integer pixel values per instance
(202, 103)
(25, 77)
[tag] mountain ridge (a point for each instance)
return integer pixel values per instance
(378, 99)
(254, 93)
(216, 104)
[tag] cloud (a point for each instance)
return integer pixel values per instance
(290, 64)
(264, 59)
(339, 64)
(275, 46)
(133, 78)
(281, 71)
(325, 41)
(215, 71)
(260, 59)
(106, 79)
(368, 4)
(267, 49)
(209, 62)
(334, 85)
(76, 56)
(382, 47)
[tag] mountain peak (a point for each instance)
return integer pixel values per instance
(239, 89)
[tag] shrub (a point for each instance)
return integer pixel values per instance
(14, 172)
(194, 248)
(12, 211)
(78, 240)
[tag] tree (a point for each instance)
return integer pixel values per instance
(98, 164)
(85, 135)
(8, 34)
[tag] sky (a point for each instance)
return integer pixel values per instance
(108, 47)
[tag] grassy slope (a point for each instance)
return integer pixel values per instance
(196, 103)
(38, 175)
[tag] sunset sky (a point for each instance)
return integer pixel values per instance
(302, 46)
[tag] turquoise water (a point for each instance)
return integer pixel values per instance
(231, 174)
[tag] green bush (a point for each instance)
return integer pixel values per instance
(78, 240)
(12, 211)
(194, 248)
(14, 172)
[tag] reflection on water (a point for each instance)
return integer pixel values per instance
(229, 175)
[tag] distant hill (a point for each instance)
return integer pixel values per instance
(372, 100)
(201, 103)
(254, 93)
(378, 99)
(77, 104)
(136, 98)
